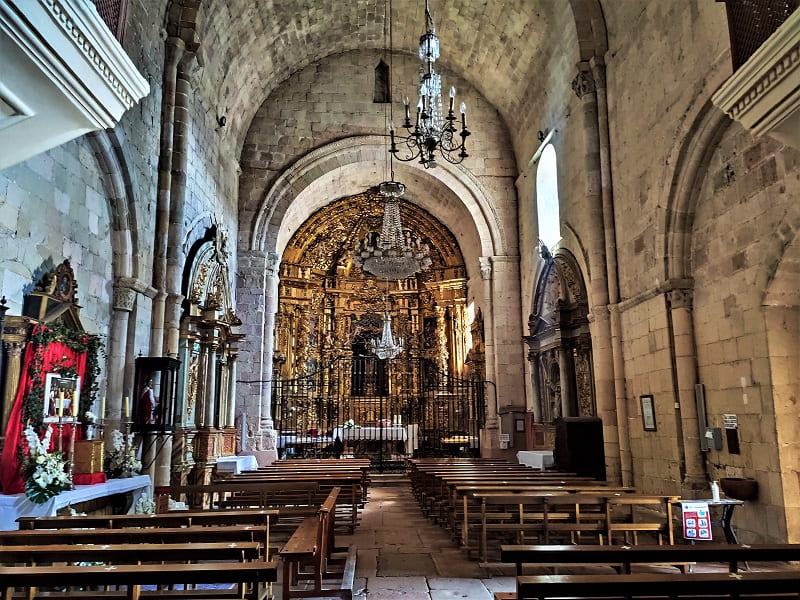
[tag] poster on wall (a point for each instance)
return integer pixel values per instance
(696, 521)
(59, 395)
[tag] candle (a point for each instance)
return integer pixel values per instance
(60, 404)
(126, 408)
(103, 408)
(75, 403)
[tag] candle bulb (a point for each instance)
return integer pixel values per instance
(60, 404)
(408, 113)
(126, 408)
(463, 116)
(452, 97)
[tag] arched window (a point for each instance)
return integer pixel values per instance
(547, 198)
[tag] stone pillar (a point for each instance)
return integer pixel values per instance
(584, 87)
(271, 280)
(124, 300)
(680, 307)
(488, 334)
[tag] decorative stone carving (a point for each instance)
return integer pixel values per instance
(680, 298)
(583, 83)
(485, 263)
(124, 298)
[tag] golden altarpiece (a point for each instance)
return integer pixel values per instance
(330, 310)
(209, 346)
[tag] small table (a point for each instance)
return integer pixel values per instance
(537, 459)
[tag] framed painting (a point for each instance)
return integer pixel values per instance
(58, 397)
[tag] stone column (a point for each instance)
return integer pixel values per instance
(271, 280)
(124, 300)
(488, 334)
(680, 307)
(210, 391)
(584, 87)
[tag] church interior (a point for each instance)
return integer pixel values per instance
(240, 236)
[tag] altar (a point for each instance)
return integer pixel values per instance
(13, 506)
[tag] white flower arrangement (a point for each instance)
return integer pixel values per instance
(350, 424)
(43, 471)
(89, 418)
(120, 460)
(145, 505)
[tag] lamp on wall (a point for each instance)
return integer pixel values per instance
(432, 133)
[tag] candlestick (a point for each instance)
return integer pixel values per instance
(60, 405)
(75, 404)
(126, 408)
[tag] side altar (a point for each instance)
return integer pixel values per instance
(13, 506)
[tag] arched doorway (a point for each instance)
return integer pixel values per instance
(330, 385)
(559, 343)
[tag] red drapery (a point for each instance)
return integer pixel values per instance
(57, 353)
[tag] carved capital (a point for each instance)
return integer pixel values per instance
(583, 83)
(273, 265)
(485, 263)
(124, 298)
(680, 298)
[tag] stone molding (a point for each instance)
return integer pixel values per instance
(763, 95)
(124, 298)
(72, 75)
(681, 298)
(485, 263)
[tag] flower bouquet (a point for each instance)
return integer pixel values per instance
(120, 460)
(43, 471)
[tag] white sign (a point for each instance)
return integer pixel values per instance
(730, 421)
(505, 437)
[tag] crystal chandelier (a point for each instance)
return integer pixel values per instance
(392, 254)
(433, 132)
(385, 347)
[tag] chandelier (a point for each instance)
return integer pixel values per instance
(385, 347)
(393, 253)
(433, 133)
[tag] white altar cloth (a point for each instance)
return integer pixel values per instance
(236, 464)
(538, 459)
(387, 434)
(13, 506)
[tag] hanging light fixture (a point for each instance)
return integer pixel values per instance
(433, 133)
(385, 347)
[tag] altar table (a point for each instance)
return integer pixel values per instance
(387, 434)
(13, 506)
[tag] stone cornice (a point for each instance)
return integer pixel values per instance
(764, 93)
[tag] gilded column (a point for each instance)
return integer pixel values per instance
(13, 371)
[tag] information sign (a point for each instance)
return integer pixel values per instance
(696, 521)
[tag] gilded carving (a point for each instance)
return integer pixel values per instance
(199, 285)
(191, 385)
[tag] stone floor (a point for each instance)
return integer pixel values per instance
(402, 555)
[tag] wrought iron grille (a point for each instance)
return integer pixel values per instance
(751, 22)
(114, 13)
(387, 411)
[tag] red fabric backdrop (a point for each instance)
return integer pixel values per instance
(11, 480)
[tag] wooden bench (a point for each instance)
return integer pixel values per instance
(312, 545)
(250, 577)
(625, 556)
(709, 586)
(114, 554)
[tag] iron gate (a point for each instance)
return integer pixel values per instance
(387, 411)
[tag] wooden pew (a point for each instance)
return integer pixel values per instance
(625, 556)
(114, 554)
(711, 586)
(313, 545)
(250, 576)
(173, 519)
